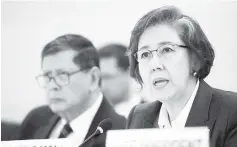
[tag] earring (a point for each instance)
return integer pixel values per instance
(194, 73)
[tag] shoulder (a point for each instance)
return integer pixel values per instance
(227, 112)
(7, 130)
(227, 102)
(220, 100)
(41, 109)
(141, 112)
(35, 118)
(227, 99)
(39, 115)
(227, 94)
(144, 108)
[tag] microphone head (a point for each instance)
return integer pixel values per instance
(106, 124)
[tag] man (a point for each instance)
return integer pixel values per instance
(115, 78)
(71, 79)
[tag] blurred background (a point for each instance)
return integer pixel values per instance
(28, 26)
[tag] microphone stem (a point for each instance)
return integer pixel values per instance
(92, 135)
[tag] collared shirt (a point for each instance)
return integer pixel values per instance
(179, 122)
(81, 124)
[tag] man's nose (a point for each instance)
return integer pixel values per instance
(53, 85)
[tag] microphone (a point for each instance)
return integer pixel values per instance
(103, 126)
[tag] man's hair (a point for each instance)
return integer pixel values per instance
(188, 30)
(87, 55)
(117, 51)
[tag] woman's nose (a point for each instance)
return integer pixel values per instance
(155, 63)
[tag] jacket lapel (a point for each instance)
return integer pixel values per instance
(100, 115)
(151, 114)
(200, 112)
(44, 131)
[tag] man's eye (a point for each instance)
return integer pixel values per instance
(62, 73)
(62, 76)
(47, 74)
(145, 55)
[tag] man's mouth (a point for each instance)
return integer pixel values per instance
(55, 100)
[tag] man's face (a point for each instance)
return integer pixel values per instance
(115, 81)
(70, 96)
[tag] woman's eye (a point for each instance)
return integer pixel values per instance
(145, 55)
(167, 50)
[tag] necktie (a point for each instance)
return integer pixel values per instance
(65, 131)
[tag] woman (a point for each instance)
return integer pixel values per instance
(170, 56)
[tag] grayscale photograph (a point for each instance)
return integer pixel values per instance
(112, 73)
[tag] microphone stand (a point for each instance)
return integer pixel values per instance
(98, 131)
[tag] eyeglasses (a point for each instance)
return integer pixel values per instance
(61, 79)
(165, 52)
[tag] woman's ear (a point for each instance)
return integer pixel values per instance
(195, 64)
(95, 78)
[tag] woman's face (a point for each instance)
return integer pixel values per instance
(165, 75)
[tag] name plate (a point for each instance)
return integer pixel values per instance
(40, 143)
(183, 137)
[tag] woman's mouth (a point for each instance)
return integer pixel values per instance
(160, 82)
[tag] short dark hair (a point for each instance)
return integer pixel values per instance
(117, 51)
(188, 30)
(87, 56)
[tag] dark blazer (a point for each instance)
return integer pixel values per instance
(40, 122)
(214, 108)
(8, 129)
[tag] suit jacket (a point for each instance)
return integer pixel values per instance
(8, 129)
(41, 121)
(214, 108)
